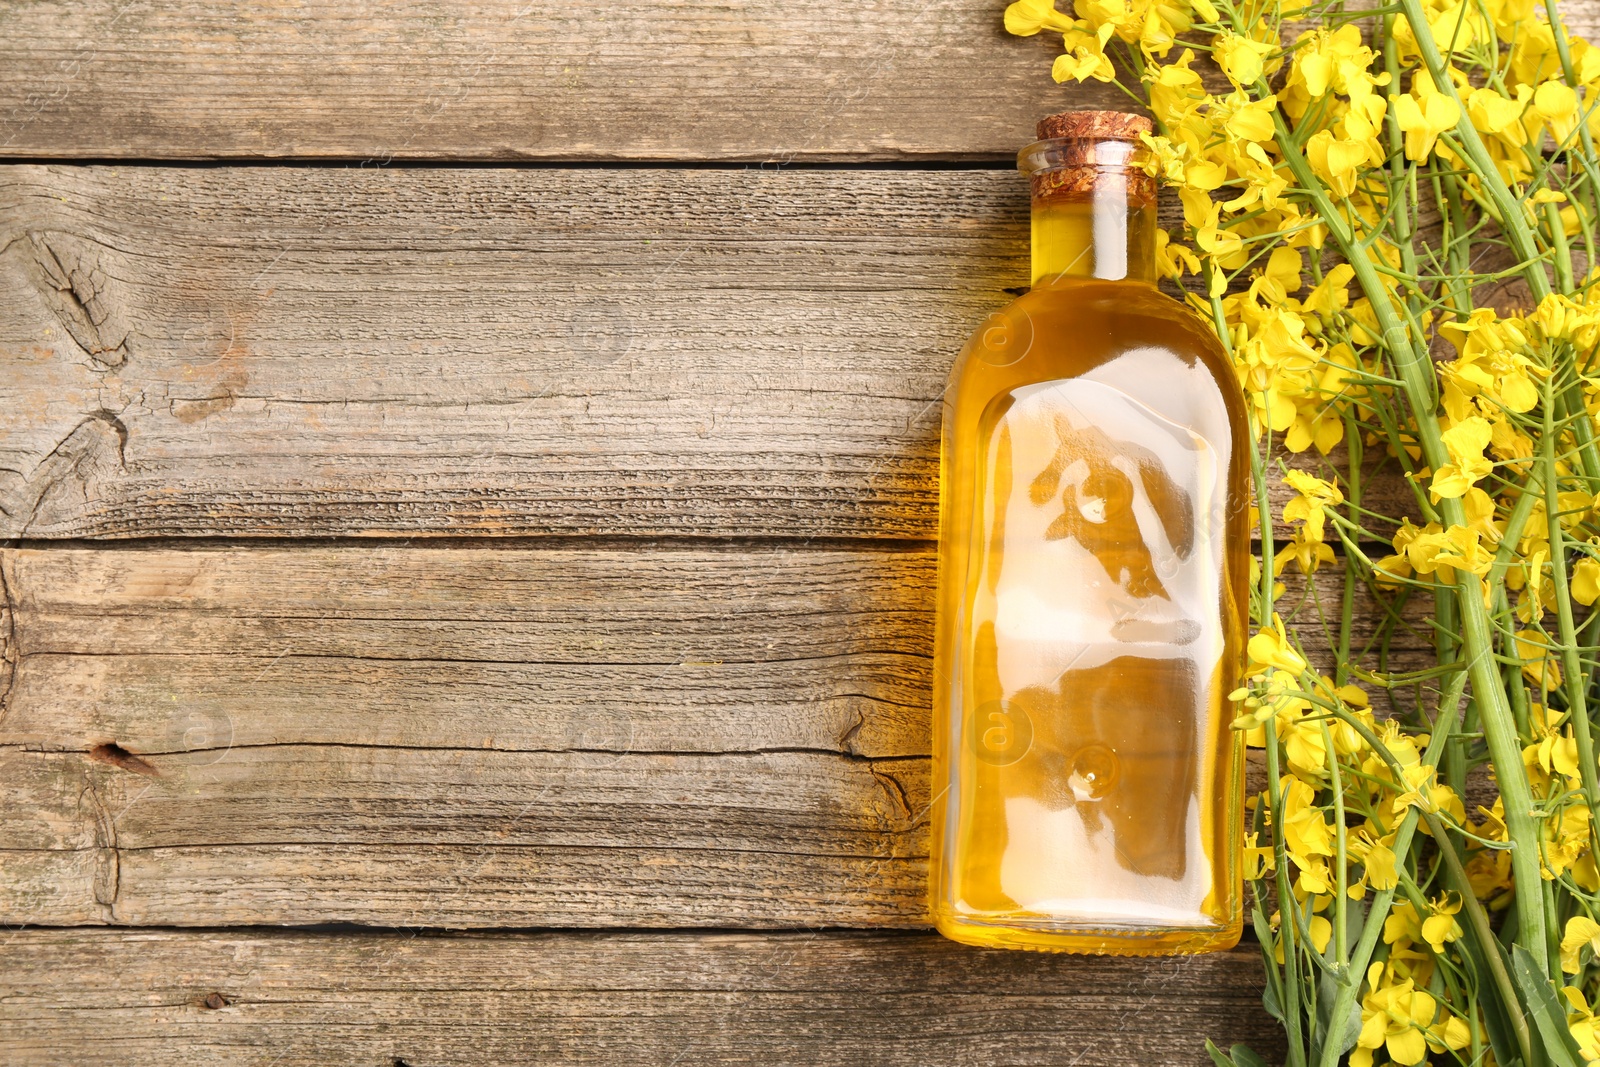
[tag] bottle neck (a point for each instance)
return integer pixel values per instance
(1097, 233)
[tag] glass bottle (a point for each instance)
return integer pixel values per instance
(1093, 568)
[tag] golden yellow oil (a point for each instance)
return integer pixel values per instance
(1094, 554)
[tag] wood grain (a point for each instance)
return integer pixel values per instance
(295, 999)
(488, 352)
(519, 80)
(466, 737)
(471, 738)
(540, 80)
(729, 731)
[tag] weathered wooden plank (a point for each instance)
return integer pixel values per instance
(291, 835)
(642, 650)
(487, 352)
(183, 999)
(733, 736)
(474, 738)
(518, 80)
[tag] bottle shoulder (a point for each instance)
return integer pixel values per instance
(1128, 336)
(1070, 328)
(1095, 318)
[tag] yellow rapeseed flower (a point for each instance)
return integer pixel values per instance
(1337, 162)
(1313, 497)
(1271, 648)
(1557, 104)
(1243, 60)
(1581, 1023)
(1305, 746)
(1259, 859)
(1084, 58)
(1304, 552)
(1424, 115)
(1581, 933)
(1378, 859)
(1306, 831)
(1465, 442)
(1495, 114)
(1335, 60)
(1027, 17)
(1434, 550)
(1401, 1019)
(1441, 926)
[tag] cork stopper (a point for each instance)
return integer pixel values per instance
(1080, 151)
(1095, 126)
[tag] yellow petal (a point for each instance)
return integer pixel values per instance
(1407, 1047)
(1315, 70)
(1251, 124)
(1586, 581)
(1456, 1034)
(1205, 174)
(1321, 931)
(1438, 929)
(1555, 100)
(1581, 930)
(1380, 867)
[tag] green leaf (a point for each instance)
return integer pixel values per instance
(1269, 1001)
(1492, 1008)
(1508, 924)
(1243, 1056)
(1217, 1055)
(1345, 1035)
(1545, 1010)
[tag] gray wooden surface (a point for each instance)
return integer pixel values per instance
(539, 551)
(178, 999)
(515, 80)
(489, 352)
(642, 736)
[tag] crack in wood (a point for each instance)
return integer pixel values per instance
(108, 859)
(848, 738)
(894, 790)
(84, 444)
(81, 306)
(10, 651)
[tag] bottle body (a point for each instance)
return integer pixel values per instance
(1094, 554)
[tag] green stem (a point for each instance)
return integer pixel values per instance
(1449, 707)
(1507, 207)
(1575, 680)
(1341, 850)
(1344, 1001)
(1487, 941)
(1586, 157)
(1415, 369)
(1286, 902)
(1558, 238)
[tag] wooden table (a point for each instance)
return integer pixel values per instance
(469, 475)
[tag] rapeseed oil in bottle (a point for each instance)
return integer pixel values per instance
(1093, 566)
